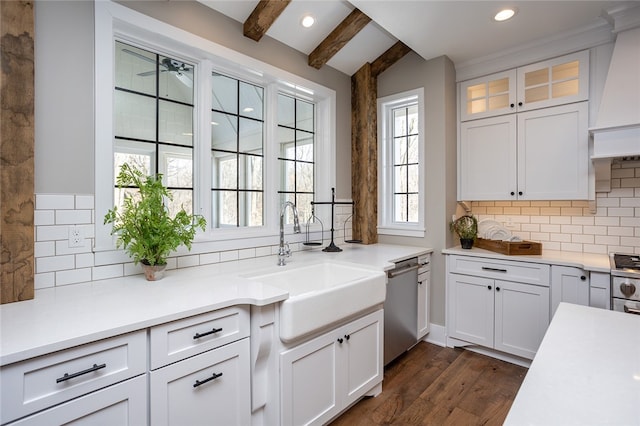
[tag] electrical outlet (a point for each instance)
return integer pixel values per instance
(75, 236)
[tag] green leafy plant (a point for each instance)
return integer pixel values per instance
(144, 226)
(466, 227)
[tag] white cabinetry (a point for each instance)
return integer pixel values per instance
(39, 383)
(568, 284)
(548, 83)
(424, 289)
(540, 153)
(210, 387)
(600, 290)
(503, 305)
(325, 375)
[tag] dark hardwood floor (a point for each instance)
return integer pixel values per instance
(432, 385)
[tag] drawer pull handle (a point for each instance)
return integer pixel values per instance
(206, 333)
(486, 268)
(631, 310)
(208, 379)
(68, 376)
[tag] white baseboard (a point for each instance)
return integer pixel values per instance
(436, 335)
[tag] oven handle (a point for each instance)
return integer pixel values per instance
(631, 310)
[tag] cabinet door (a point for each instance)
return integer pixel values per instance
(362, 347)
(487, 159)
(554, 82)
(470, 309)
(121, 404)
(424, 288)
(210, 388)
(488, 96)
(568, 285)
(521, 317)
(553, 153)
(308, 381)
(600, 290)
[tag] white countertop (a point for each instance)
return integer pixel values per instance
(586, 372)
(586, 261)
(61, 317)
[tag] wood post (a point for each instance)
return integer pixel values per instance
(17, 152)
(364, 155)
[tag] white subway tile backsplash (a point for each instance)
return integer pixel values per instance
(188, 261)
(84, 260)
(105, 272)
(247, 253)
(209, 258)
(263, 251)
(44, 280)
(571, 229)
(73, 217)
(73, 276)
(607, 221)
(54, 263)
(228, 256)
(44, 249)
(62, 247)
(84, 202)
(623, 231)
(621, 211)
(54, 201)
(44, 217)
(52, 233)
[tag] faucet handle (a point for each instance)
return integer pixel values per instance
(287, 250)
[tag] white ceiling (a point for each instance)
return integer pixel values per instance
(462, 30)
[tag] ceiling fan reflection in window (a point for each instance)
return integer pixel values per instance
(182, 71)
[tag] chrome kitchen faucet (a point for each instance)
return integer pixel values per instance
(284, 251)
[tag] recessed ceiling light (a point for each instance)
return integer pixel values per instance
(247, 109)
(504, 14)
(307, 21)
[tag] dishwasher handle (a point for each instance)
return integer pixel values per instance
(401, 271)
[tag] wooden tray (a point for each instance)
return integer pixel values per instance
(508, 247)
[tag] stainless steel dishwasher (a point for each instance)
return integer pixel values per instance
(401, 309)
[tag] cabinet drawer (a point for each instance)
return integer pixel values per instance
(180, 339)
(47, 380)
(524, 272)
(211, 388)
(122, 404)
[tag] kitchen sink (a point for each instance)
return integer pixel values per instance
(321, 294)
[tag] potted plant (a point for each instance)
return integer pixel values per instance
(144, 226)
(466, 227)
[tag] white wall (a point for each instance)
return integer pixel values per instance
(437, 76)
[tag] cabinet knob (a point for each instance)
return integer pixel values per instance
(512, 105)
(497, 288)
(519, 103)
(489, 287)
(347, 336)
(519, 192)
(583, 278)
(340, 340)
(513, 193)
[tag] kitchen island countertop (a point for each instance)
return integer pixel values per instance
(586, 372)
(62, 317)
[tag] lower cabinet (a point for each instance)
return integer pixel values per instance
(322, 377)
(210, 388)
(424, 290)
(505, 315)
(568, 284)
(121, 404)
(600, 290)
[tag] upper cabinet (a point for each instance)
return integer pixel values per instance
(544, 84)
(523, 133)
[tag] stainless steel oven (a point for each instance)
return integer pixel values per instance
(625, 282)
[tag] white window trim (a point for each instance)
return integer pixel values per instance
(114, 20)
(386, 225)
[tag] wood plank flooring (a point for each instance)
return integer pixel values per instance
(432, 385)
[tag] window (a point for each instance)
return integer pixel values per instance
(296, 121)
(236, 153)
(401, 174)
(153, 116)
(233, 137)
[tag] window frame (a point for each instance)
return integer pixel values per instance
(386, 223)
(114, 21)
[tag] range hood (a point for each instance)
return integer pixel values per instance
(616, 134)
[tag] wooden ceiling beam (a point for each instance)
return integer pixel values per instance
(388, 58)
(263, 16)
(345, 31)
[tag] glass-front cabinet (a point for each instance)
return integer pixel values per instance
(544, 84)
